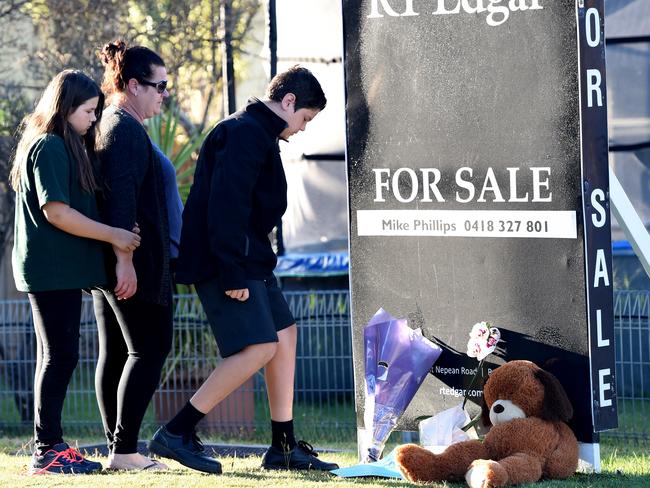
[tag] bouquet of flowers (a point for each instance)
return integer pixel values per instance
(397, 359)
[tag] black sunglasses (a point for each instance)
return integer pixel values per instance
(160, 86)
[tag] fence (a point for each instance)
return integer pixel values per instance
(324, 396)
(632, 340)
(324, 400)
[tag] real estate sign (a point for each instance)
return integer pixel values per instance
(478, 188)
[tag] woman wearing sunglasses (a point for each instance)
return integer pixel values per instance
(134, 313)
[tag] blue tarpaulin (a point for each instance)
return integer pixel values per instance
(337, 263)
(313, 264)
(622, 248)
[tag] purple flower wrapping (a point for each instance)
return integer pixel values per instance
(397, 359)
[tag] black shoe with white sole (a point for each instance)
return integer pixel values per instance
(302, 456)
(186, 449)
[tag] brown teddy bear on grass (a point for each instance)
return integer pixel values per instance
(529, 439)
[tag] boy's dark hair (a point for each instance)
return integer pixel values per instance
(302, 83)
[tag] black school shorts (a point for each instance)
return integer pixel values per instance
(236, 324)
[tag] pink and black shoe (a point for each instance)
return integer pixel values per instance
(62, 459)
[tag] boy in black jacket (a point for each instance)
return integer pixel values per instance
(239, 194)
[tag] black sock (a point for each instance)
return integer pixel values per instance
(185, 421)
(283, 438)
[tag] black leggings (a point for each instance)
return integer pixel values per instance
(134, 340)
(56, 322)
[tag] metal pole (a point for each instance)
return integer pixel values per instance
(273, 38)
(228, 68)
(273, 69)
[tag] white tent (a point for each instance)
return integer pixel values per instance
(310, 33)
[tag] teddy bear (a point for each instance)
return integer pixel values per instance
(527, 409)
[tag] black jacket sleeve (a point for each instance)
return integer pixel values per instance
(230, 201)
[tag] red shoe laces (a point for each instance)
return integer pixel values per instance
(73, 455)
(68, 454)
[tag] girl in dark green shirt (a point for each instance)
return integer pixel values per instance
(57, 249)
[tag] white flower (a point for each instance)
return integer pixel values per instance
(482, 329)
(483, 340)
(473, 348)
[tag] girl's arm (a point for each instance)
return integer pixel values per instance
(69, 220)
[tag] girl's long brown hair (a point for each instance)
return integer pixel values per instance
(67, 91)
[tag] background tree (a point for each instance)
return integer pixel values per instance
(187, 34)
(11, 7)
(15, 101)
(73, 31)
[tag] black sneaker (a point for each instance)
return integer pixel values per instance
(62, 459)
(187, 450)
(302, 456)
(94, 465)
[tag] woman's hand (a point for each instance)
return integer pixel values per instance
(241, 295)
(127, 281)
(124, 240)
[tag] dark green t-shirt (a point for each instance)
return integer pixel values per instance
(44, 257)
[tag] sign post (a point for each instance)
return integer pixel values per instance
(478, 189)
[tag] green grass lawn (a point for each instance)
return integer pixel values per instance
(323, 422)
(623, 467)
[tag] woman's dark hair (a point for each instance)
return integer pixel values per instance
(123, 63)
(67, 91)
(302, 83)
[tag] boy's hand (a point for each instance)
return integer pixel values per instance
(241, 295)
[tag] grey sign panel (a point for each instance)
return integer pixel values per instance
(465, 185)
